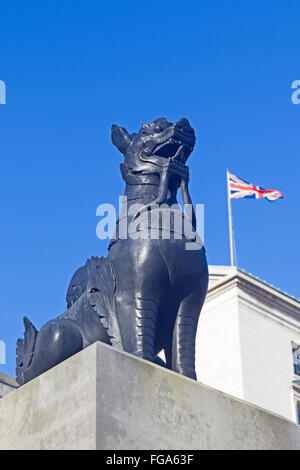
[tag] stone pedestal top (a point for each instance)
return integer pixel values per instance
(102, 398)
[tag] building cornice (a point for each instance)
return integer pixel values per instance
(265, 293)
(7, 380)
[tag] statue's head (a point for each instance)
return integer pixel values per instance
(84, 280)
(154, 144)
(77, 286)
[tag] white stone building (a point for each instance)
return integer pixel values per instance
(248, 341)
(7, 384)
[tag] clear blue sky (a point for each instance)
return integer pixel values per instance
(74, 68)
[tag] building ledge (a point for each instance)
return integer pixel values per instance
(8, 380)
(224, 278)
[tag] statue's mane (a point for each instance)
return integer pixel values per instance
(94, 262)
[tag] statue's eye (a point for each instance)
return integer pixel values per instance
(145, 129)
(157, 129)
(75, 286)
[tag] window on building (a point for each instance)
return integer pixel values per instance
(296, 359)
(298, 412)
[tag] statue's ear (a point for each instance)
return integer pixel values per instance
(120, 138)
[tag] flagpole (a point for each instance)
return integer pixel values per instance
(230, 222)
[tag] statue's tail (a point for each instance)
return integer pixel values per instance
(101, 293)
(25, 350)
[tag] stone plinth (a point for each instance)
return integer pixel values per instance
(105, 399)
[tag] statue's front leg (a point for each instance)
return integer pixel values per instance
(56, 341)
(184, 335)
(142, 280)
(146, 321)
(137, 317)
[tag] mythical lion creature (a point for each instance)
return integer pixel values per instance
(146, 296)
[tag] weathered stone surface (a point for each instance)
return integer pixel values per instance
(105, 399)
(7, 384)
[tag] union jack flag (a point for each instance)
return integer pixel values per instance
(240, 188)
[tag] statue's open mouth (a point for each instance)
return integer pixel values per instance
(177, 149)
(170, 147)
(175, 142)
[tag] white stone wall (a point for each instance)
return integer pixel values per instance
(266, 349)
(218, 346)
(244, 341)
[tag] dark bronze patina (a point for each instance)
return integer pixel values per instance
(146, 296)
